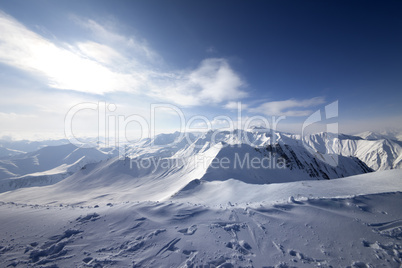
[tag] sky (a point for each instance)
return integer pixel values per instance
(86, 68)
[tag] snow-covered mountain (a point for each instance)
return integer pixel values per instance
(159, 168)
(395, 135)
(7, 153)
(179, 161)
(376, 151)
(47, 165)
(161, 178)
(180, 201)
(27, 146)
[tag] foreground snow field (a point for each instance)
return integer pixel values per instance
(281, 228)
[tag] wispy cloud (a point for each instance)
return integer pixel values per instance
(62, 68)
(289, 107)
(108, 33)
(97, 68)
(101, 53)
(213, 81)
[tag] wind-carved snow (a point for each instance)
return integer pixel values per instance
(361, 231)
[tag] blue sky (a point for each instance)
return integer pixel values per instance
(286, 58)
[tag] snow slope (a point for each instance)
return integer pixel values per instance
(6, 153)
(46, 166)
(175, 161)
(158, 179)
(168, 204)
(101, 183)
(30, 146)
(219, 193)
(357, 231)
(376, 152)
(395, 135)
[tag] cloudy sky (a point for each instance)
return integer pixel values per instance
(200, 60)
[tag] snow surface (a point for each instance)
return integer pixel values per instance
(356, 155)
(47, 165)
(114, 213)
(376, 151)
(360, 231)
(6, 152)
(386, 134)
(27, 146)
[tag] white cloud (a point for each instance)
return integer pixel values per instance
(99, 68)
(62, 68)
(234, 105)
(214, 81)
(107, 33)
(217, 81)
(215, 124)
(101, 53)
(288, 107)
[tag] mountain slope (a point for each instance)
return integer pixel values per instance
(177, 204)
(159, 179)
(46, 166)
(218, 193)
(375, 150)
(7, 153)
(277, 163)
(378, 154)
(170, 162)
(30, 146)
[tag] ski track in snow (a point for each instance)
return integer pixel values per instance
(363, 231)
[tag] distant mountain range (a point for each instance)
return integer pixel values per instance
(170, 163)
(47, 165)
